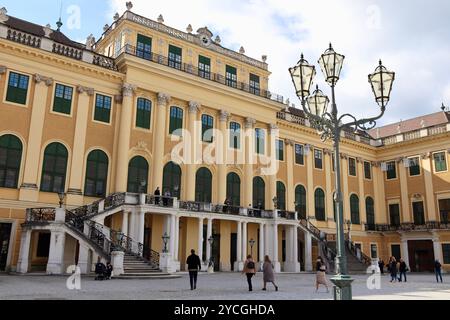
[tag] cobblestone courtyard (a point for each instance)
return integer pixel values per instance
(219, 286)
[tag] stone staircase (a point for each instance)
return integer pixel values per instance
(355, 266)
(137, 268)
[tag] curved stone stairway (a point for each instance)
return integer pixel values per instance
(137, 268)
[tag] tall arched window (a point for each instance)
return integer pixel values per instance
(300, 201)
(138, 175)
(354, 209)
(281, 195)
(319, 201)
(234, 189)
(370, 211)
(54, 168)
(10, 158)
(259, 193)
(96, 174)
(203, 186)
(172, 179)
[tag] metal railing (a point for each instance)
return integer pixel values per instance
(40, 215)
(286, 214)
(416, 134)
(361, 256)
(427, 226)
(160, 201)
(189, 68)
(115, 200)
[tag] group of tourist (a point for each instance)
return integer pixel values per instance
(398, 269)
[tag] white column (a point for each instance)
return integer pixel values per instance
(295, 238)
(405, 254)
(141, 226)
(239, 261)
(292, 264)
(125, 223)
(200, 238)
(261, 242)
(276, 263)
(437, 246)
(132, 225)
(55, 264)
(244, 241)
(24, 254)
(208, 235)
(172, 236)
(308, 252)
(177, 239)
(83, 259)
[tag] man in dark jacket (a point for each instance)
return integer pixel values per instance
(194, 266)
(437, 270)
(402, 270)
(157, 195)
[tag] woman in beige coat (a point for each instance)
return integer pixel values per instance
(268, 274)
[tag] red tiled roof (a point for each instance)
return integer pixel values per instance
(418, 123)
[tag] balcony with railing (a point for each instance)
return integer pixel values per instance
(416, 134)
(47, 44)
(193, 70)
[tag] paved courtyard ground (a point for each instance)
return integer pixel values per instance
(218, 286)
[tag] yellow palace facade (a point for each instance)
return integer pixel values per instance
(88, 132)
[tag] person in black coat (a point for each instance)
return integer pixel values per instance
(157, 195)
(437, 270)
(109, 270)
(393, 269)
(402, 270)
(194, 266)
(381, 265)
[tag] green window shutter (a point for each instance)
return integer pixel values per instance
(175, 50)
(63, 99)
(144, 40)
(17, 88)
(231, 70)
(143, 114)
(102, 108)
(204, 60)
(176, 119)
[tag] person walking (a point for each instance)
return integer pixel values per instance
(393, 269)
(438, 270)
(403, 268)
(321, 274)
(268, 274)
(249, 271)
(194, 266)
(381, 265)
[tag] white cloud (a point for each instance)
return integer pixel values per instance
(410, 37)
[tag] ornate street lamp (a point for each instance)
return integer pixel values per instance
(61, 196)
(176, 189)
(329, 125)
(275, 203)
(143, 184)
(165, 239)
(251, 243)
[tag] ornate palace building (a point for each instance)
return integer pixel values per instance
(88, 132)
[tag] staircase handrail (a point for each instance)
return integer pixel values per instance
(363, 257)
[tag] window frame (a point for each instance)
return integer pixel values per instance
(395, 169)
(373, 244)
(110, 110)
(204, 69)
(352, 213)
(7, 80)
(280, 152)
(140, 170)
(352, 159)
(298, 197)
(370, 170)
(181, 121)
(209, 125)
(64, 181)
(254, 84)
(441, 211)
(445, 162)
(418, 165)
(296, 155)
(96, 179)
(316, 159)
(18, 170)
(413, 203)
(150, 113)
(258, 137)
(145, 53)
(52, 106)
(444, 246)
(324, 205)
(233, 135)
(396, 204)
(174, 63)
(233, 79)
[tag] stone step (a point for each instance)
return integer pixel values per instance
(147, 277)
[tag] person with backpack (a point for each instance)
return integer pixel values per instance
(321, 274)
(100, 270)
(268, 274)
(249, 271)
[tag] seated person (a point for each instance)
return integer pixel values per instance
(100, 270)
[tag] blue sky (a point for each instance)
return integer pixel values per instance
(410, 36)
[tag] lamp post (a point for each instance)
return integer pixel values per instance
(251, 243)
(61, 196)
(143, 184)
(329, 125)
(176, 189)
(165, 239)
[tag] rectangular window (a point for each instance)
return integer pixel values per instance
(175, 54)
(414, 166)
(318, 159)
(394, 214)
(367, 170)
(352, 167)
(299, 154)
(391, 170)
(373, 251)
(143, 113)
(207, 128)
(176, 121)
(17, 88)
(418, 213)
(260, 140)
(446, 253)
(63, 99)
(235, 135)
(444, 210)
(440, 162)
(255, 87)
(231, 77)
(280, 150)
(144, 47)
(102, 108)
(204, 67)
